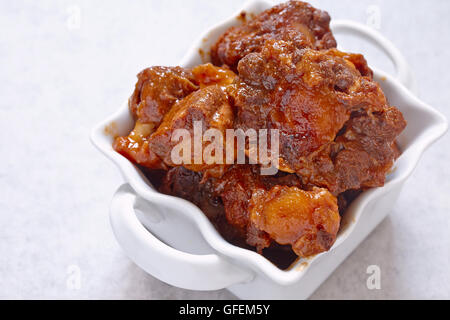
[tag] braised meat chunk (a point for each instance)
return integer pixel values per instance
(284, 88)
(275, 208)
(236, 188)
(361, 156)
(311, 97)
(158, 90)
(307, 220)
(207, 108)
(295, 21)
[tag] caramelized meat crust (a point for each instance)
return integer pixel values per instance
(292, 90)
(315, 99)
(360, 157)
(295, 21)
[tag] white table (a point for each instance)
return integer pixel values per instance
(60, 75)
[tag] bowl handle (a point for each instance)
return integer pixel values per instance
(177, 268)
(404, 72)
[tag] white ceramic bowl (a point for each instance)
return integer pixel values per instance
(171, 238)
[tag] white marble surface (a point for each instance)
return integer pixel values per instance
(58, 80)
